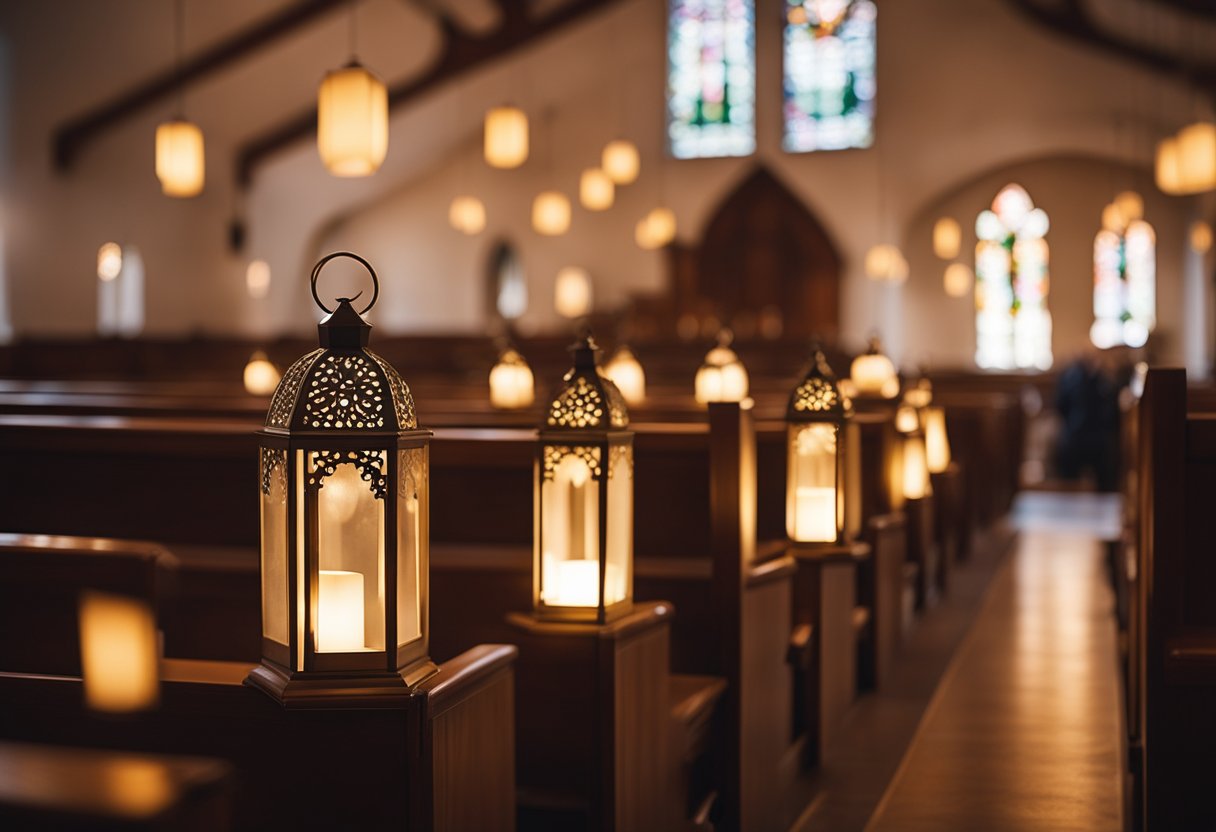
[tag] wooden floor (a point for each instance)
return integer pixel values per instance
(1023, 733)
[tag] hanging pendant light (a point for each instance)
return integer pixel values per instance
(947, 238)
(352, 121)
(656, 229)
(1168, 168)
(1200, 237)
(257, 279)
(595, 190)
(551, 213)
(958, 279)
(467, 214)
(1197, 157)
(179, 158)
(572, 293)
(506, 137)
(886, 262)
(621, 161)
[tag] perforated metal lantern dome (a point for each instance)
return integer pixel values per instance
(583, 536)
(815, 483)
(344, 506)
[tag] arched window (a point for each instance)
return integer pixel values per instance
(1012, 324)
(829, 74)
(711, 78)
(1125, 281)
(508, 295)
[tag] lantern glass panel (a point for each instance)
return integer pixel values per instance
(852, 479)
(274, 546)
(813, 512)
(570, 532)
(349, 613)
(620, 524)
(412, 535)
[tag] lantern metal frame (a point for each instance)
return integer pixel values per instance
(343, 404)
(817, 400)
(586, 417)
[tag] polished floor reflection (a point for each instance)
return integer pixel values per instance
(1024, 731)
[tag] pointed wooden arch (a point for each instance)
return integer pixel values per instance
(763, 250)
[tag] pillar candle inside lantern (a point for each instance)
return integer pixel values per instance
(340, 612)
(576, 583)
(815, 514)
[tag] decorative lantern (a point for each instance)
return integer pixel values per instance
(873, 374)
(467, 214)
(958, 279)
(352, 121)
(621, 161)
(915, 467)
(583, 559)
(627, 374)
(572, 293)
(814, 488)
(947, 238)
(722, 378)
(261, 377)
(551, 213)
(506, 137)
(344, 496)
(180, 166)
(596, 190)
(511, 386)
(937, 443)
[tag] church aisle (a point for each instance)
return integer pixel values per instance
(1024, 731)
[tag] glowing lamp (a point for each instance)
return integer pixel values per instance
(814, 488)
(1168, 167)
(886, 262)
(722, 377)
(257, 279)
(1200, 237)
(583, 555)
(947, 238)
(506, 137)
(1197, 157)
(1130, 205)
(119, 653)
(467, 214)
(957, 280)
(261, 377)
(596, 190)
(572, 293)
(109, 261)
(179, 158)
(621, 161)
(511, 386)
(906, 419)
(1113, 219)
(626, 373)
(352, 121)
(873, 374)
(656, 229)
(916, 468)
(344, 506)
(551, 213)
(937, 442)
(920, 394)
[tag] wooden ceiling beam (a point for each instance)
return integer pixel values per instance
(461, 53)
(70, 138)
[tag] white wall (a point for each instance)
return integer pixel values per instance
(964, 89)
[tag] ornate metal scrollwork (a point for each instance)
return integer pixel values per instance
(554, 454)
(816, 395)
(370, 464)
(284, 401)
(274, 467)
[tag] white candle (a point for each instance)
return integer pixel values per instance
(815, 514)
(576, 583)
(340, 612)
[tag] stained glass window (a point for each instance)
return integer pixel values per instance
(1125, 282)
(1012, 323)
(829, 74)
(711, 78)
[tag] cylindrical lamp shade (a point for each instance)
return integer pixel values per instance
(627, 374)
(506, 137)
(257, 279)
(352, 121)
(916, 468)
(261, 377)
(511, 382)
(572, 293)
(937, 441)
(595, 190)
(180, 166)
(947, 238)
(551, 214)
(886, 262)
(467, 214)
(109, 261)
(873, 373)
(1168, 168)
(621, 161)
(1200, 237)
(1197, 157)
(722, 378)
(958, 279)
(118, 653)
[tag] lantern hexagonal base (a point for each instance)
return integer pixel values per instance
(583, 615)
(340, 690)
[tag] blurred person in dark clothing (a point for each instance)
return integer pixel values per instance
(1087, 399)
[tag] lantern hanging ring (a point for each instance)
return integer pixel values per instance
(316, 272)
